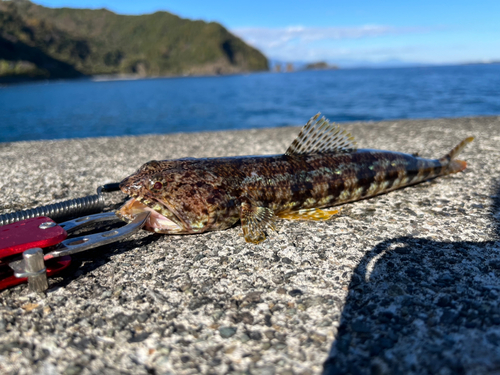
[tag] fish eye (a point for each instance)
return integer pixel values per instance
(158, 185)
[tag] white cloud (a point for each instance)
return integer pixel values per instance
(301, 43)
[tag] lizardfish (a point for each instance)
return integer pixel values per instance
(321, 169)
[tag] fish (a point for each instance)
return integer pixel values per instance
(322, 169)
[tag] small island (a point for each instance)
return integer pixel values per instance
(321, 65)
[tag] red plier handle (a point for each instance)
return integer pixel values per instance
(41, 232)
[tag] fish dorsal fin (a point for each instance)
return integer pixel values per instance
(318, 136)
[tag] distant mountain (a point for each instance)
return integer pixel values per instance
(491, 62)
(344, 64)
(389, 63)
(39, 42)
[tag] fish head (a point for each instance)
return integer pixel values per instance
(182, 196)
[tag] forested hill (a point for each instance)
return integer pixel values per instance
(41, 42)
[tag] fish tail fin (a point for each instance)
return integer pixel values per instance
(453, 165)
(456, 166)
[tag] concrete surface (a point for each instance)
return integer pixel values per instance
(407, 282)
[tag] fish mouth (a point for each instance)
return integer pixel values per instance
(161, 220)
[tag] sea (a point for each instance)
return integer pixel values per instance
(97, 107)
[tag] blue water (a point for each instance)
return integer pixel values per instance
(84, 108)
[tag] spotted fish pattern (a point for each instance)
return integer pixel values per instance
(320, 170)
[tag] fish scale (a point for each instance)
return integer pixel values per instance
(286, 181)
(321, 169)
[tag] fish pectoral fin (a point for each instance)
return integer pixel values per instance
(309, 214)
(255, 220)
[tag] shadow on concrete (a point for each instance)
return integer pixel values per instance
(422, 306)
(85, 262)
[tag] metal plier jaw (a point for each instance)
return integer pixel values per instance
(33, 267)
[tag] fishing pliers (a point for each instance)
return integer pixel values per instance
(22, 244)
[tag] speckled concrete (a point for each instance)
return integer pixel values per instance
(402, 283)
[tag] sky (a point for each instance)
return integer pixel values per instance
(342, 32)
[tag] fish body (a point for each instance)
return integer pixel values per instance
(321, 169)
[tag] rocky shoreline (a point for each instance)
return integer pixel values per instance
(406, 282)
